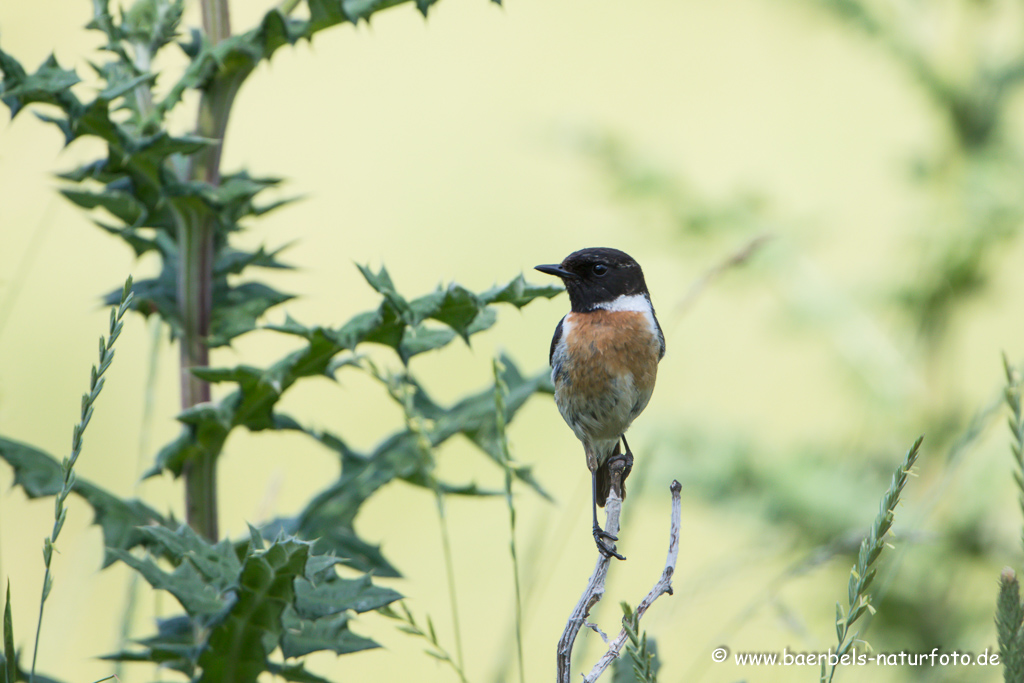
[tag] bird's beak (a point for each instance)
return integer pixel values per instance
(556, 270)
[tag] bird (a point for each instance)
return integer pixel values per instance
(604, 359)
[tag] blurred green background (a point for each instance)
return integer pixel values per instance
(874, 147)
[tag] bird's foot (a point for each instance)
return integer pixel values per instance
(604, 548)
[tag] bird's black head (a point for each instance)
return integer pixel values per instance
(598, 275)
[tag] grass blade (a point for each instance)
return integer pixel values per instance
(9, 653)
(106, 355)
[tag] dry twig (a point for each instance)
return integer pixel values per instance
(737, 258)
(595, 587)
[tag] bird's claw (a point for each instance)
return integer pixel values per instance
(602, 547)
(607, 551)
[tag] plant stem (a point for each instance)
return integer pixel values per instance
(216, 20)
(195, 279)
(446, 547)
(500, 394)
(96, 381)
(196, 232)
(156, 328)
(47, 581)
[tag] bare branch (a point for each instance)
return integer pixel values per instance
(595, 587)
(597, 629)
(664, 585)
(736, 258)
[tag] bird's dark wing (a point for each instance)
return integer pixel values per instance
(661, 335)
(554, 341)
(661, 338)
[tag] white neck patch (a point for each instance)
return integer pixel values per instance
(637, 303)
(634, 303)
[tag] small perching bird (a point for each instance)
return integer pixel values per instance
(604, 360)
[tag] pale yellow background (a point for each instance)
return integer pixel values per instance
(441, 149)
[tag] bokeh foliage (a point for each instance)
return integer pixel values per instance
(899, 342)
(820, 493)
(248, 591)
(244, 600)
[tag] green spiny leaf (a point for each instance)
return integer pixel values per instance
(457, 309)
(174, 647)
(233, 261)
(256, 541)
(302, 636)
(185, 583)
(217, 563)
(328, 537)
(50, 84)
(238, 646)
(259, 390)
(294, 672)
(236, 310)
(39, 475)
(334, 595)
(519, 292)
(122, 205)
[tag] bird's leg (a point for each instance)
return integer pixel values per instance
(599, 533)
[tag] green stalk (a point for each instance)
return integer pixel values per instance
(216, 20)
(196, 233)
(67, 466)
(156, 327)
(403, 389)
(1012, 395)
(195, 289)
(449, 567)
(500, 392)
(863, 572)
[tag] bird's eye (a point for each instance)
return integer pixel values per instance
(599, 269)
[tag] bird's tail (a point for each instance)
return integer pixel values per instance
(603, 473)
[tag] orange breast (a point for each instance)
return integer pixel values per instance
(608, 372)
(607, 344)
